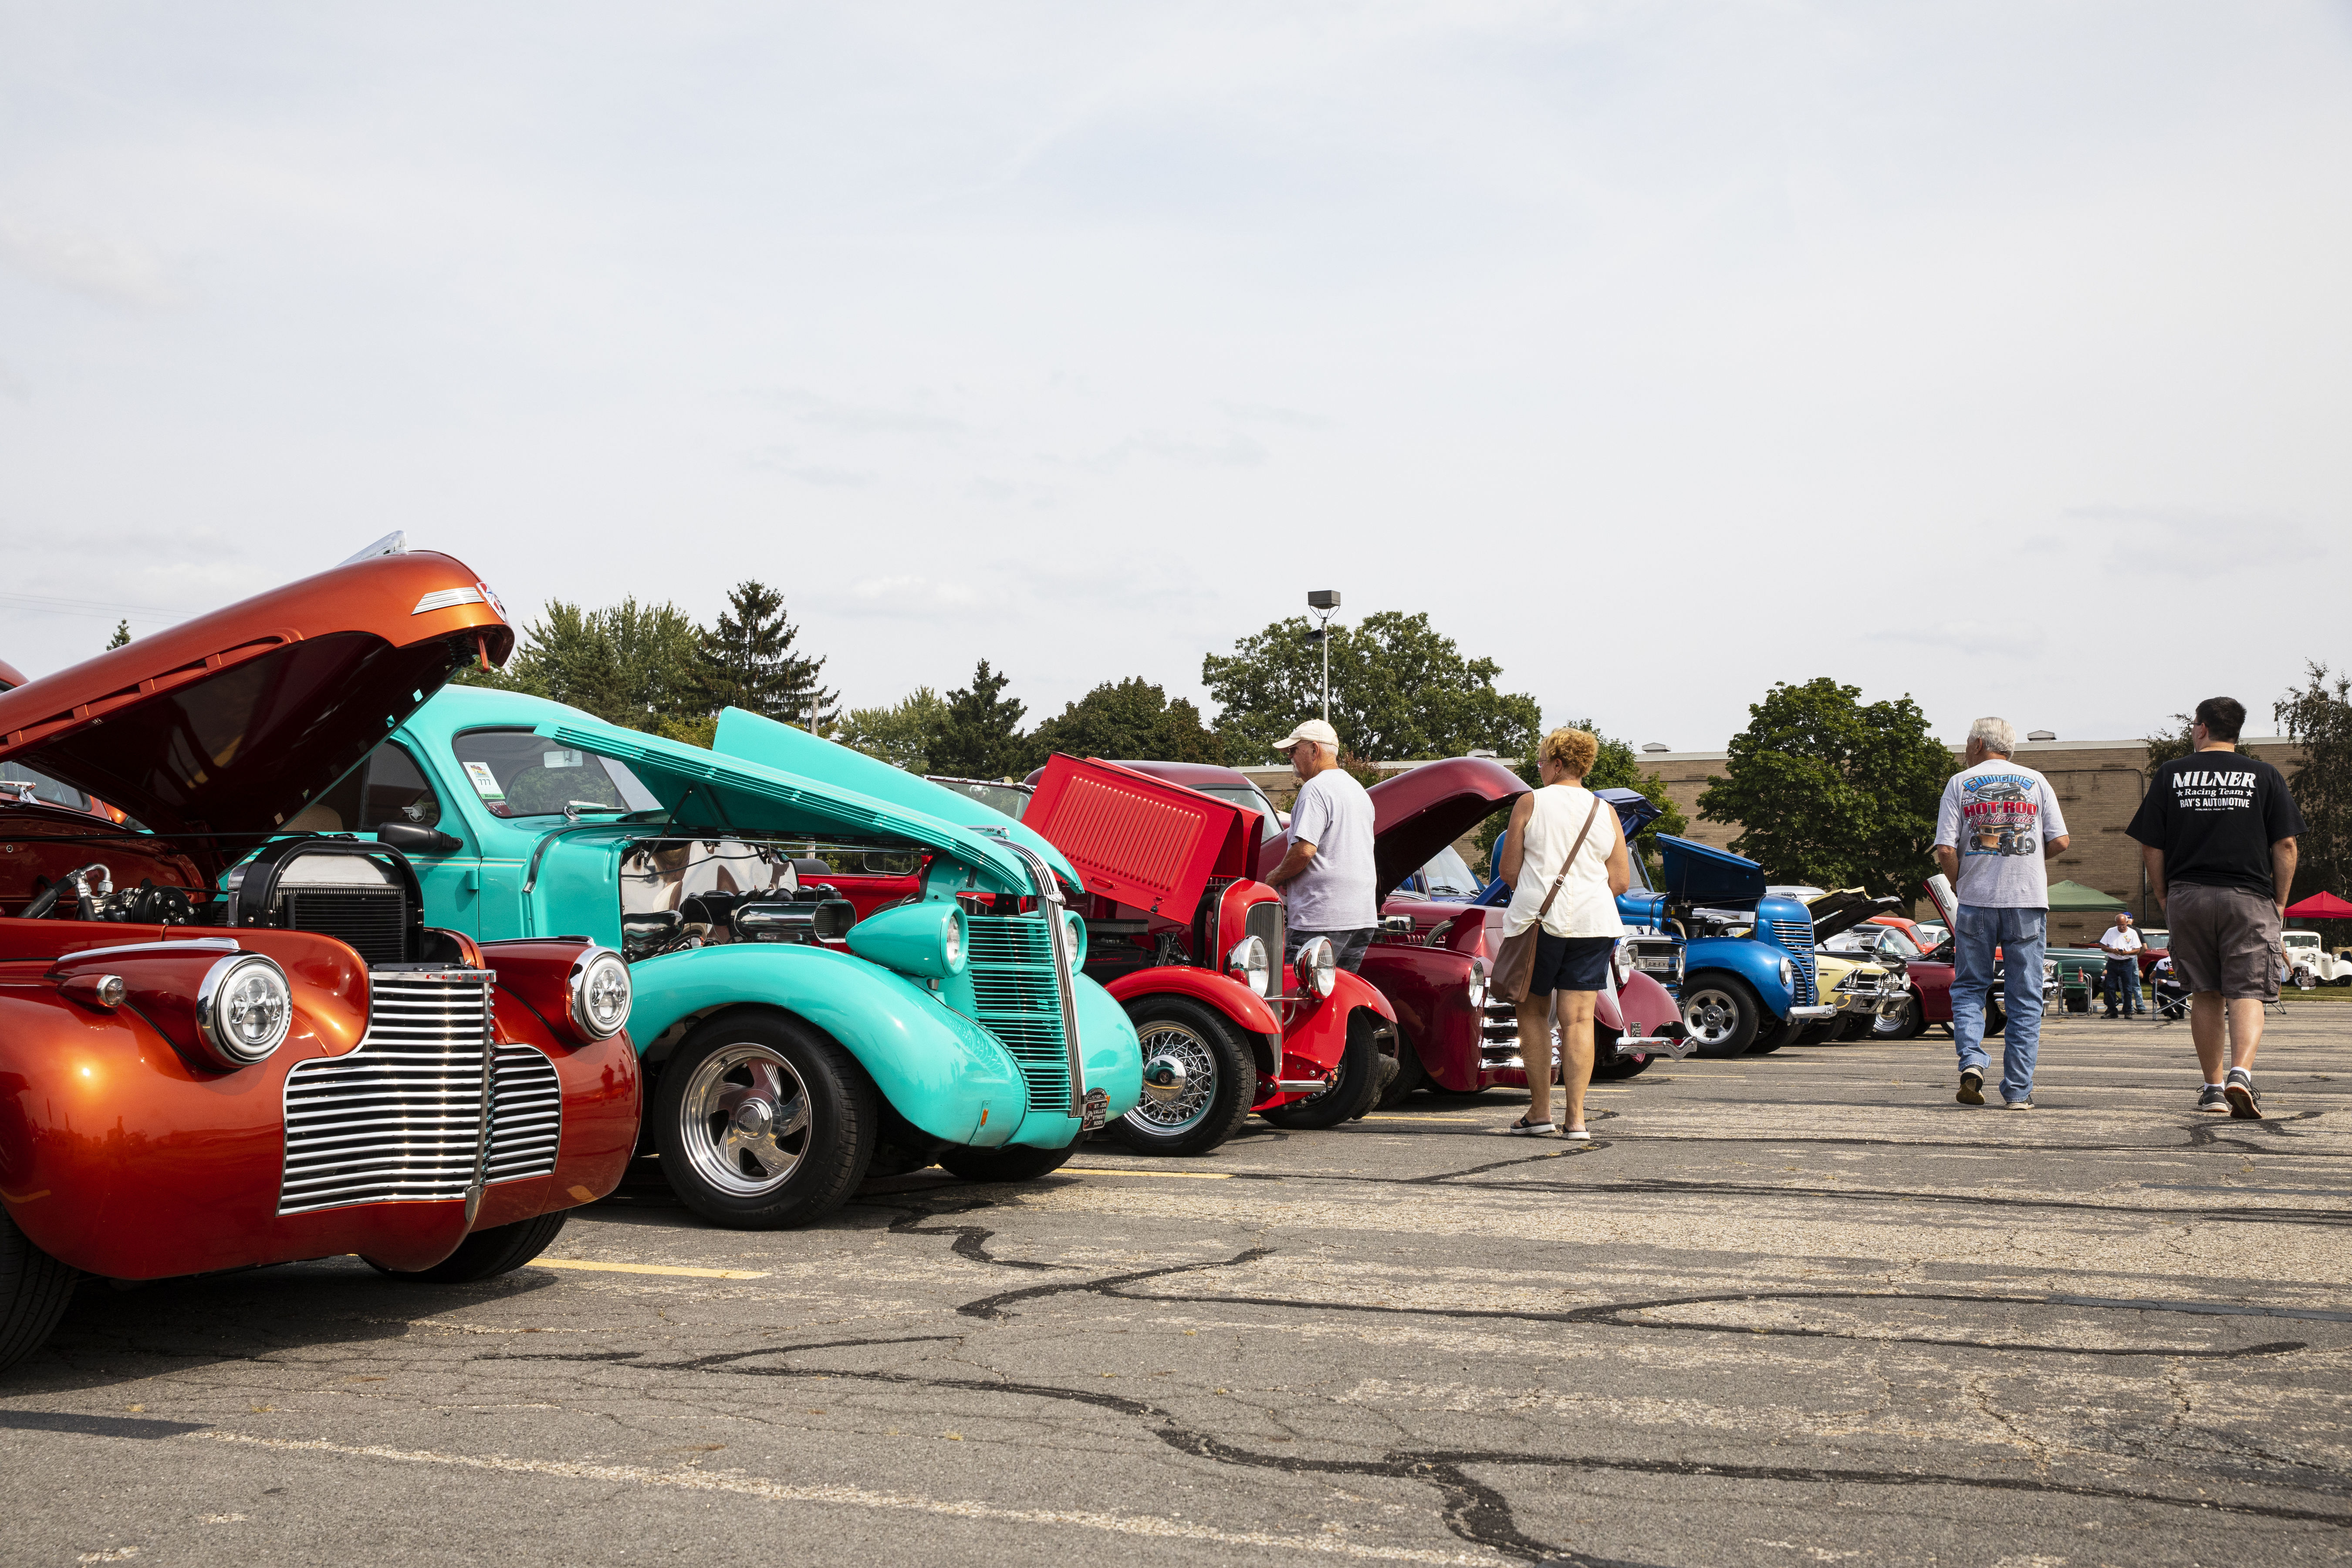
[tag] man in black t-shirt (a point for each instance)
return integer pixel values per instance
(2217, 833)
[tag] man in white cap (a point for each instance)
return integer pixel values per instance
(1327, 878)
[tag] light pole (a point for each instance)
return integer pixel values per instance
(1323, 601)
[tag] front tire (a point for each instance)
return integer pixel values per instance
(1908, 1024)
(763, 1123)
(487, 1253)
(1353, 1087)
(1410, 1075)
(1010, 1164)
(1722, 1015)
(1774, 1036)
(1219, 1079)
(34, 1290)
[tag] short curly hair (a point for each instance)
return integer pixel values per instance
(1573, 751)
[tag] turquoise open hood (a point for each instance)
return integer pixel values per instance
(1699, 873)
(751, 738)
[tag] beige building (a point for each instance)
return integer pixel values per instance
(2099, 784)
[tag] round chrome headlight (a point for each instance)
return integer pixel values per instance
(1318, 965)
(1477, 986)
(1788, 975)
(1625, 960)
(600, 992)
(1074, 940)
(952, 941)
(1248, 963)
(244, 1008)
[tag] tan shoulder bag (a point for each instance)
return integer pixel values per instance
(1514, 965)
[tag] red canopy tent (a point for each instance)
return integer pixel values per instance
(2320, 906)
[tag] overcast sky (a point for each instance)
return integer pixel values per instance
(1995, 353)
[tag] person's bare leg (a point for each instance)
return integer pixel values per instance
(2246, 1031)
(1576, 1049)
(2205, 1027)
(1535, 1050)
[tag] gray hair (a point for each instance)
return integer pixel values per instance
(1997, 735)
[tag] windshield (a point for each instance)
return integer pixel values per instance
(1248, 799)
(1448, 875)
(1895, 944)
(2300, 937)
(39, 786)
(1012, 800)
(517, 774)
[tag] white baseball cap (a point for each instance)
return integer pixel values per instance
(1314, 730)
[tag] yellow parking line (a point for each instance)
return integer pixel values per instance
(651, 1269)
(1170, 1175)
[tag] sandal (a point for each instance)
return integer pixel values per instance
(1523, 1128)
(1578, 1135)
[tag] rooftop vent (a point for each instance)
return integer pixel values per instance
(2042, 734)
(1658, 746)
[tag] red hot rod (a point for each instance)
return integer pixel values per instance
(226, 1040)
(1182, 933)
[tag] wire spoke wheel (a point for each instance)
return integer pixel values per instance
(744, 1120)
(1175, 1043)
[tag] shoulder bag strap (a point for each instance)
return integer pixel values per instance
(1570, 861)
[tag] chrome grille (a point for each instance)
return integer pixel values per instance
(1797, 936)
(398, 1120)
(1264, 922)
(1498, 1038)
(1017, 998)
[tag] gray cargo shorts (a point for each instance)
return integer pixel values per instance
(2225, 940)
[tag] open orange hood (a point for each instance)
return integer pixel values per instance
(232, 723)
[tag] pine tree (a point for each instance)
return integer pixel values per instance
(121, 635)
(748, 662)
(980, 736)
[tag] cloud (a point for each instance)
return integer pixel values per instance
(109, 271)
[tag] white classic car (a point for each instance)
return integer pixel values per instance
(2310, 964)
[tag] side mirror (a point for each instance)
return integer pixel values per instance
(1396, 925)
(411, 838)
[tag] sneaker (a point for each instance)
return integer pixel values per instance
(1971, 1087)
(2244, 1104)
(2211, 1100)
(1523, 1128)
(2025, 1104)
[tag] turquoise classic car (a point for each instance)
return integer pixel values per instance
(793, 1047)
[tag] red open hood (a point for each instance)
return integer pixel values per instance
(10, 675)
(1145, 842)
(1419, 813)
(231, 722)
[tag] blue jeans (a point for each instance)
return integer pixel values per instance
(2020, 934)
(2123, 986)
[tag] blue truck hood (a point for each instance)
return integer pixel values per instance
(1697, 873)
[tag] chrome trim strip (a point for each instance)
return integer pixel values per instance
(191, 944)
(448, 598)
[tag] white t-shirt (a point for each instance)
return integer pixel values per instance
(1585, 906)
(1335, 892)
(2121, 941)
(1997, 815)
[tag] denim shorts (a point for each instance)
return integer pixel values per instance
(1571, 964)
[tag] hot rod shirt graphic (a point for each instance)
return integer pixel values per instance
(1998, 815)
(2215, 814)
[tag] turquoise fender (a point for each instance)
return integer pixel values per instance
(1114, 1063)
(936, 1068)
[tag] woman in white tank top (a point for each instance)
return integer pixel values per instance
(1579, 930)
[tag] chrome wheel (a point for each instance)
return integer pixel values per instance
(1711, 1016)
(744, 1120)
(1181, 1078)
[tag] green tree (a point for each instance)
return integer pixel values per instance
(629, 664)
(2318, 718)
(1132, 718)
(748, 662)
(898, 734)
(978, 737)
(121, 635)
(1400, 691)
(2165, 745)
(1828, 791)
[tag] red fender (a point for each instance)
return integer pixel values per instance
(1222, 992)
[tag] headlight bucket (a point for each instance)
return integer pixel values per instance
(598, 992)
(1477, 986)
(927, 940)
(1318, 966)
(1788, 975)
(1624, 960)
(244, 1009)
(1248, 963)
(1074, 934)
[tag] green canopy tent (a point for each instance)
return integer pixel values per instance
(2072, 897)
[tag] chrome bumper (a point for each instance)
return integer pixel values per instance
(1675, 1043)
(1820, 1010)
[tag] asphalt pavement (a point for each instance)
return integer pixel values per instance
(1788, 1309)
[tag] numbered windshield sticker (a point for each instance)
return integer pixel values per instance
(552, 759)
(485, 782)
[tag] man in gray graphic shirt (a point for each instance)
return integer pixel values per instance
(1999, 823)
